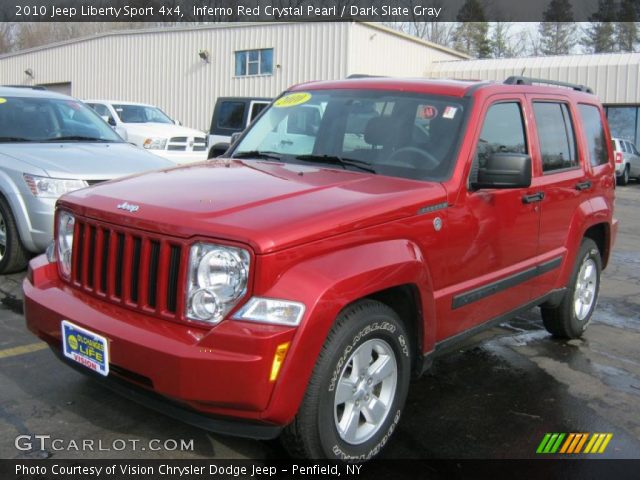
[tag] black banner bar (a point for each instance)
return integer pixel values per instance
(175, 11)
(285, 470)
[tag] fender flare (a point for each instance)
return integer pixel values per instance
(326, 291)
(589, 213)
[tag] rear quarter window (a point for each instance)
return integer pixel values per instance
(594, 132)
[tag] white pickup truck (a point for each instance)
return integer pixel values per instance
(150, 128)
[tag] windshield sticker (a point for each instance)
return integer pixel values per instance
(3, 100)
(292, 100)
(449, 112)
(428, 112)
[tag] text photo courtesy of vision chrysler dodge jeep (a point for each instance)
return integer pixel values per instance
(295, 286)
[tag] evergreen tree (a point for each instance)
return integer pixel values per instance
(557, 30)
(626, 29)
(472, 32)
(599, 35)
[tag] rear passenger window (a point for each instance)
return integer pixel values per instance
(231, 115)
(594, 131)
(555, 133)
(502, 131)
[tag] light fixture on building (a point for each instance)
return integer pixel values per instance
(204, 55)
(29, 72)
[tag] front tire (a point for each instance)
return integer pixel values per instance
(571, 317)
(357, 390)
(13, 256)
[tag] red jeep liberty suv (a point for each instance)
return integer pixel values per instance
(355, 230)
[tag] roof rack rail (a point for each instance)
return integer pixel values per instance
(30, 87)
(518, 80)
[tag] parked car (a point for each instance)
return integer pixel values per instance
(51, 144)
(150, 128)
(353, 254)
(627, 160)
(232, 115)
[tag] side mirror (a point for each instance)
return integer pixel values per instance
(505, 170)
(218, 149)
(235, 137)
(111, 121)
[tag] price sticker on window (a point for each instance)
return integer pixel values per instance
(292, 100)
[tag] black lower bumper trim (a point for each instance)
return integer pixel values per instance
(236, 428)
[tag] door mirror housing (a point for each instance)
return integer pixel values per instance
(111, 121)
(505, 170)
(218, 149)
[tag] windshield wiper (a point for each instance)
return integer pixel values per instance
(78, 138)
(257, 154)
(15, 139)
(334, 159)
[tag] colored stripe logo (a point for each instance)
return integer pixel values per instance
(574, 443)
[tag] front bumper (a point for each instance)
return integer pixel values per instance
(222, 371)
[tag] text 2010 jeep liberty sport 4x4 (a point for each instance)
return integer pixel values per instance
(354, 230)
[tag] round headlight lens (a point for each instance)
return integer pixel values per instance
(205, 304)
(218, 277)
(222, 271)
(66, 223)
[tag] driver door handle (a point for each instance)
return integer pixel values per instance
(534, 197)
(586, 185)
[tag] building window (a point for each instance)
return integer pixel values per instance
(623, 122)
(254, 62)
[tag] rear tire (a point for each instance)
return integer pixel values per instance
(571, 317)
(13, 256)
(357, 390)
(624, 178)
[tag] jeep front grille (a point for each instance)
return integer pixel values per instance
(128, 267)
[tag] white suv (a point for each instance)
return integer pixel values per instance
(627, 160)
(149, 127)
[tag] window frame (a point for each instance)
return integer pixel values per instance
(605, 130)
(520, 102)
(576, 144)
(257, 62)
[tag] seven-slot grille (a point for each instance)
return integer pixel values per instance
(127, 267)
(187, 144)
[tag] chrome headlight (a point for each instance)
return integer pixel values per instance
(64, 242)
(155, 143)
(218, 277)
(52, 187)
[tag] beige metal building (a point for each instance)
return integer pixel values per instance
(615, 79)
(183, 70)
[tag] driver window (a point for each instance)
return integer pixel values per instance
(502, 131)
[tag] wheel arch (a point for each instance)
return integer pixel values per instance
(390, 271)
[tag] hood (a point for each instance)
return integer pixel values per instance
(267, 205)
(167, 130)
(85, 161)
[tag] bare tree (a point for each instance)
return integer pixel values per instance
(6, 37)
(504, 42)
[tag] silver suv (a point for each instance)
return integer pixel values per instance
(51, 144)
(627, 160)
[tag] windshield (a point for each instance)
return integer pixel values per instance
(387, 132)
(141, 114)
(32, 119)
